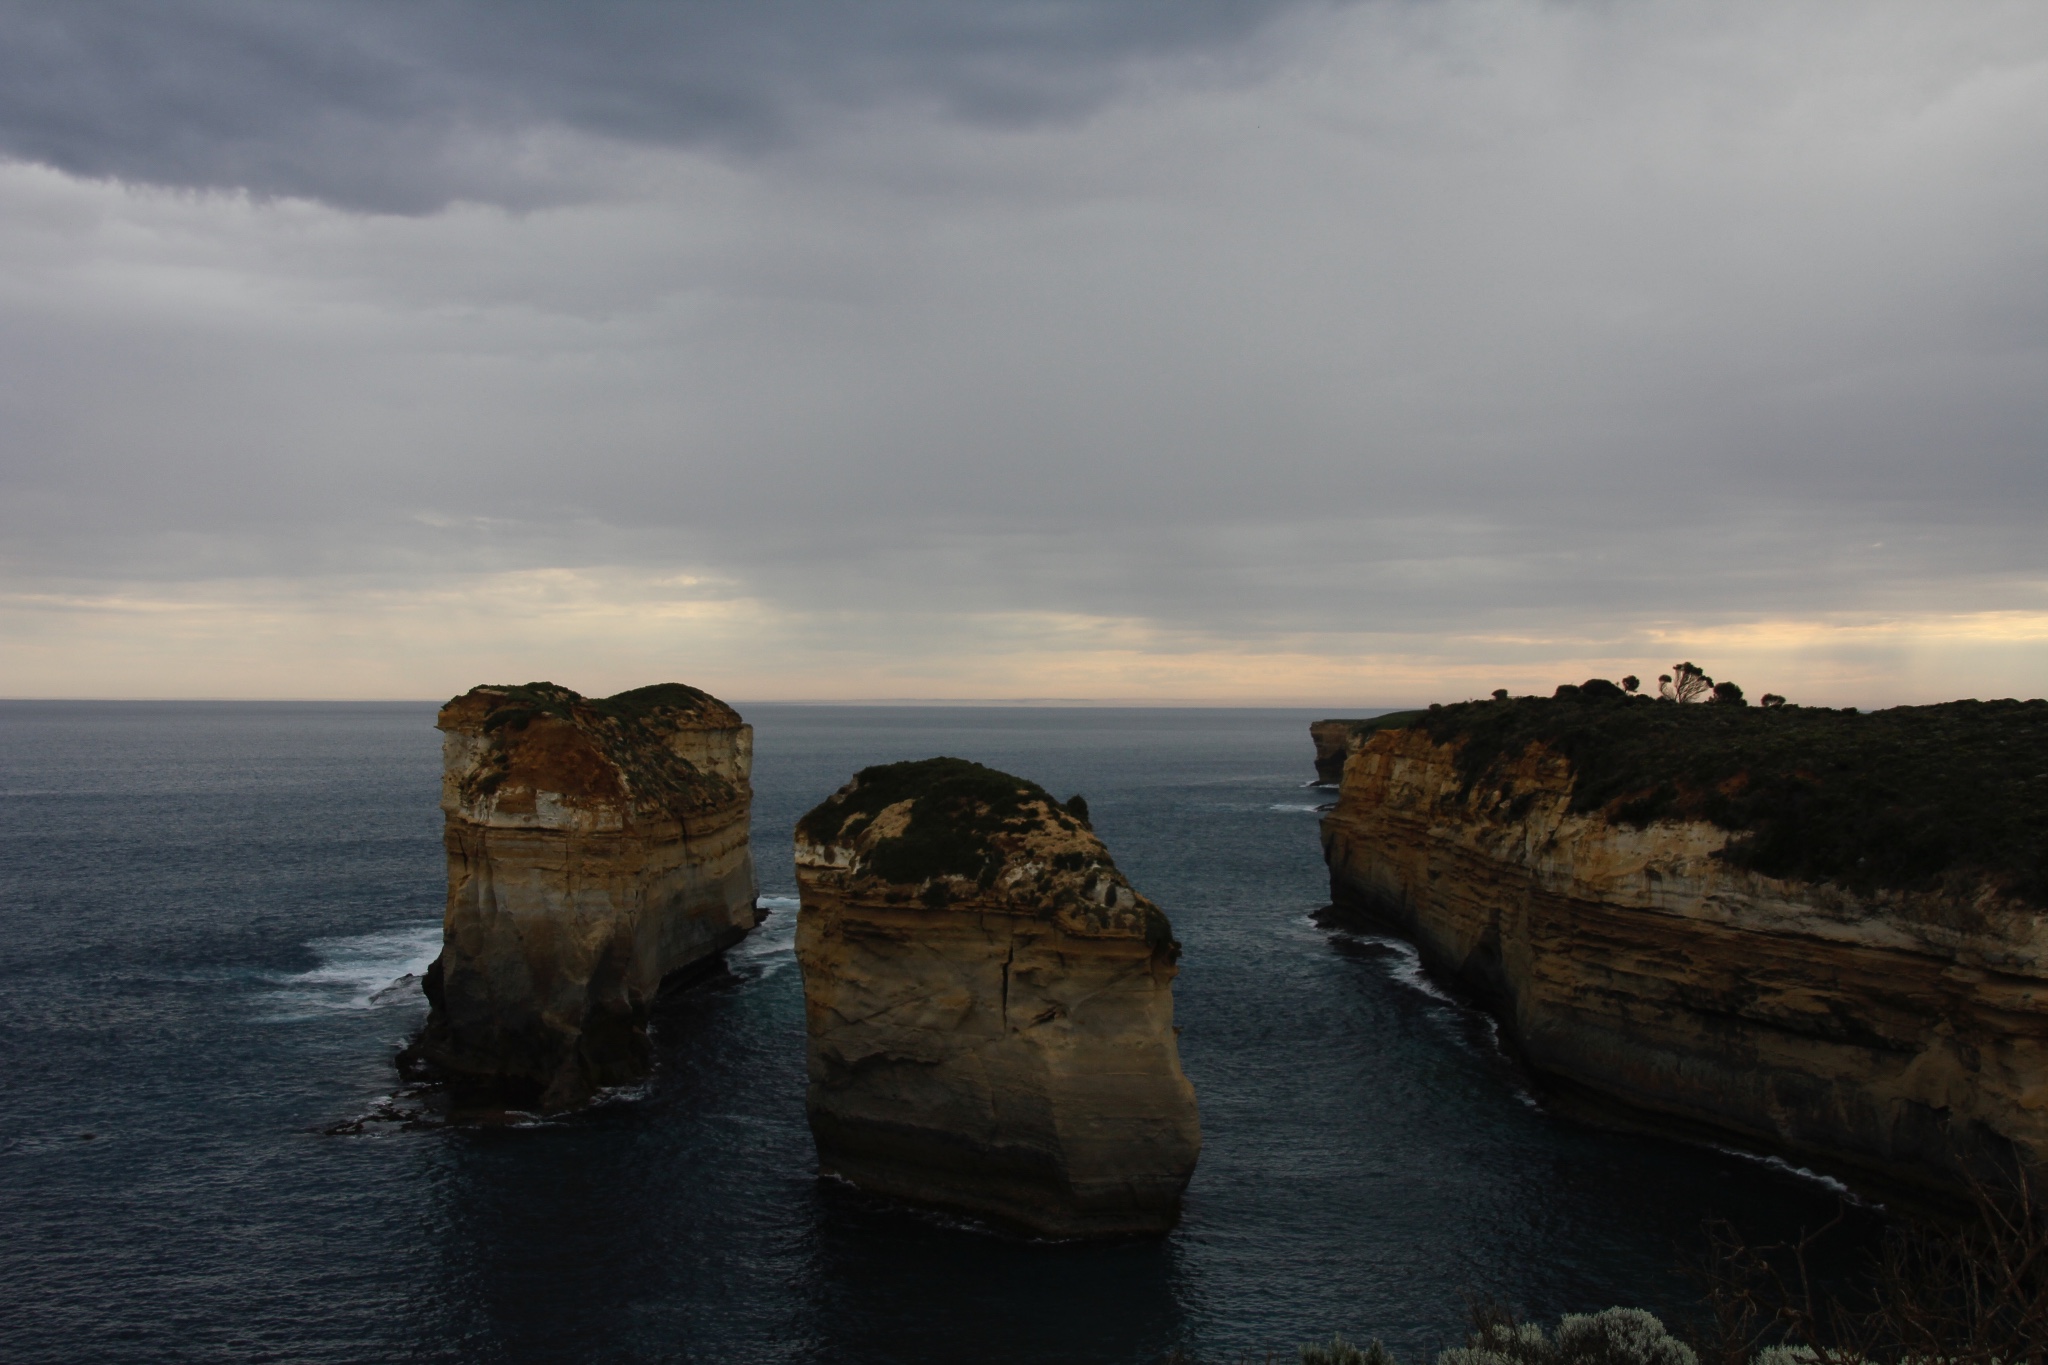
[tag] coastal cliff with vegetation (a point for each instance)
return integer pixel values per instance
(1333, 738)
(596, 849)
(989, 1005)
(1816, 930)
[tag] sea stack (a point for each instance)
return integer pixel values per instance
(990, 1006)
(596, 849)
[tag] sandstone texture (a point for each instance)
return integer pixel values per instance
(1333, 739)
(989, 1006)
(1903, 1031)
(596, 849)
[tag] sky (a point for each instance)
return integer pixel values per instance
(1279, 352)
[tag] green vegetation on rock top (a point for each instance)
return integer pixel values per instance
(1393, 720)
(958, 809)
(632, 729)
(658, 700)
(1911, 798)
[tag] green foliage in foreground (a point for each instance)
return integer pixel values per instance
(1338, 1351)
(1617, 1336)
(1911, 798)
(1950, 1288)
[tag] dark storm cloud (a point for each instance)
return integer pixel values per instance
(403, 105)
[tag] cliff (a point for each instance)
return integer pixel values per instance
(1332, 739)
(989, 1006)
(1819, 932)
(596, 848)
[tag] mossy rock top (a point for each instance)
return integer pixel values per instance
(622, 747)
(955, 836)
(1949, 797)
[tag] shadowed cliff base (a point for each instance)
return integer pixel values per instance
(597, 854)
(989, 1006)
(1815, 931)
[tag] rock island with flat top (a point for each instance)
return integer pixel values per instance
(989, 1005)
(597, 848)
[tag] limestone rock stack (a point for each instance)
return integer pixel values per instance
(1905, 1032)
(596, 848)
(989, 1005)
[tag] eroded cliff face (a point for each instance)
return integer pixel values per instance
(989, 1006)
(1896, 1031)
(1332, 739)
(596, 848)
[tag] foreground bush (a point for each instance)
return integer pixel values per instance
(1971, 1290)
(1617, 1336)
(1966, 1288)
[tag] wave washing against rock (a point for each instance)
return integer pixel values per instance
(770, 948)
(1404, 966)
(360, 972)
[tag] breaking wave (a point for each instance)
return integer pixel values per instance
(360, 972)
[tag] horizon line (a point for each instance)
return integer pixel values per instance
(1022, 703)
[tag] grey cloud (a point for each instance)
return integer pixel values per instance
(1496, 317)
(403, 105)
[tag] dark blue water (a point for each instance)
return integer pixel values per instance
(199, 904)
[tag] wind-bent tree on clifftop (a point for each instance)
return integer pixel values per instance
(1685, 682)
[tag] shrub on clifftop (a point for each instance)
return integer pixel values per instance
(1910, 798)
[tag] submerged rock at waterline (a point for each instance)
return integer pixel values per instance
(597, 848)
(989, 1005)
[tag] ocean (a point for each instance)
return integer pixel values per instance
(208, 912)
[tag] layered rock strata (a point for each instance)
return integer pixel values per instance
(989, 1006)
(1333, 739)
(1905, 1032)
(596, 849)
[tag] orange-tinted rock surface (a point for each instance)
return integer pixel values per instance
(989, 1006)
(596, 849)
(1899, 1031)
(1333, 740)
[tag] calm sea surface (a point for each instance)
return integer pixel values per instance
(201, 906)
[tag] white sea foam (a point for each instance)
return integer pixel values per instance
(1778, 1163)
(360, 972)
(1407, 968)
(1296, 807)
(771, 947)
